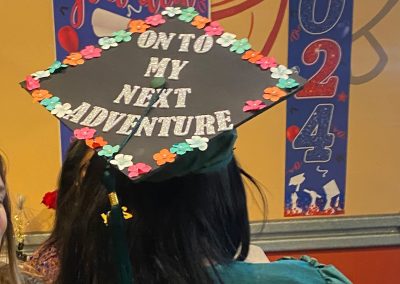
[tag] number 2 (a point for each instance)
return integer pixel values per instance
(322, 83)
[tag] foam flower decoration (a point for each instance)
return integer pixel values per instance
(214, 29)
(198, 142)
(287, 83)
(200, 22)
(267, 62)
(138, 169)
(91, 51)
(50, 103)
(122, 35)
(138, 26)
(107, 42)
(254, 105)
(252, 56)
(181, 148)
(75, 58)
(188, 14)
(122, 161)
(31, 83)
(41, 74)
(164, 156)
(273, 94)
(280, 72)
(171, 11)
(240, 46)
(61, 109)
(56, 66)
(96, 142)
(39, 95)
(226, 39)
(84, 133)
(108, 150)
(155, 20)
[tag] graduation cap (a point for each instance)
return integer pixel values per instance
(155, 96)
(163, 97)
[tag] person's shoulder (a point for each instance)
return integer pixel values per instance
(284, 271)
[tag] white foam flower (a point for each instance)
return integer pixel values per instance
(171, 11)
(226, 39)
(41, 74)
(198, 142)
(107, 42)
(280, 72)
(61, 109)
(122, 161)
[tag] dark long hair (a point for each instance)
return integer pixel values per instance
(69, 188)
(8, 238)
(181, 228)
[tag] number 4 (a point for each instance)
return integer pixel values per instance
(315, 135)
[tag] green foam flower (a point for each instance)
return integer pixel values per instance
(122, 35)
(240, 46)
(188, 14)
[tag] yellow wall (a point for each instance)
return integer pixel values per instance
(30, 137)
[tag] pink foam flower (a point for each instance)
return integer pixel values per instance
(155, 20)
(138, 169)
(267, 62)
(84, 133)
(31, 83)
(254, 105)
(214, 29)
(90, 52)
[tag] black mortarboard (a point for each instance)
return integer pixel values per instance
(160, 92)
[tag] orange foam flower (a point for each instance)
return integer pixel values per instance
(252, 56)
(200, 22)
(164, 156)
(138, 26)
(75, 58)
(273, 94)
(39, 95)
(96, 142)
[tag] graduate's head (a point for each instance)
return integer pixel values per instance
(192, 219)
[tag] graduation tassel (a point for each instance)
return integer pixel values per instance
(115, 218)
(116, 225)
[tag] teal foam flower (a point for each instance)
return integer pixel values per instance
(240, 46)
(188, 14)
(51, 103)
(56, 66)
(181, 148)
(287, 83)
(108, 150)
(122, 35)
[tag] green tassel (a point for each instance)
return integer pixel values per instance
(116, 225)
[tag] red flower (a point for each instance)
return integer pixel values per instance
(50, 199)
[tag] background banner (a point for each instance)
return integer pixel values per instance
(80, 23)
(320, 38)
